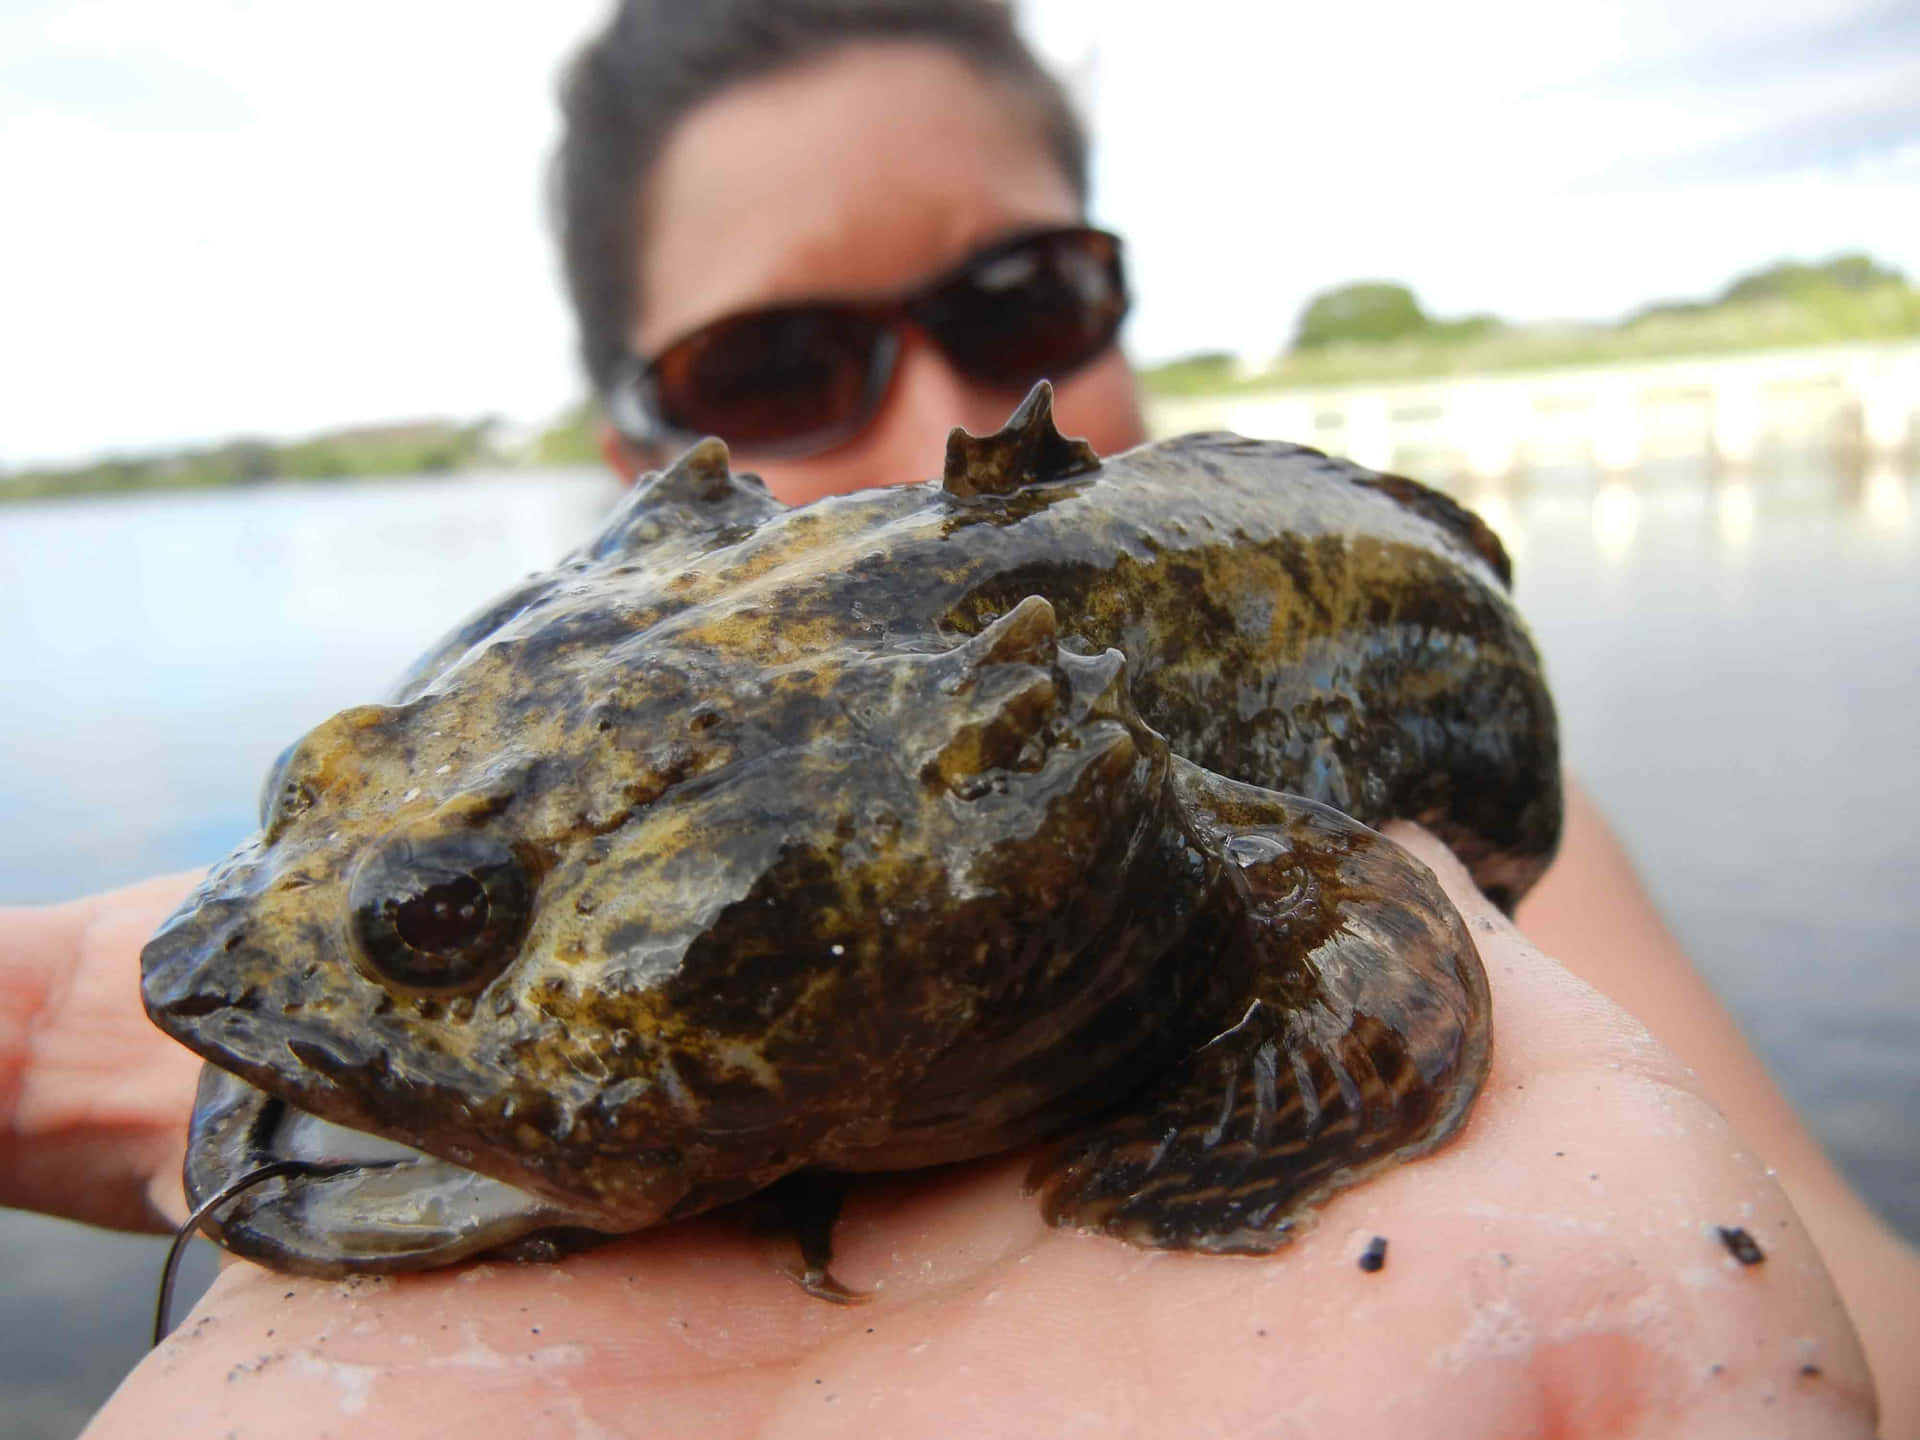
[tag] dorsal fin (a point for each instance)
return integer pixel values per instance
(698, 494)
(1002, 699)
(702, 474)
(1028, 634)
(1026, 451)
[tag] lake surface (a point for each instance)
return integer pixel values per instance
(1737, 664)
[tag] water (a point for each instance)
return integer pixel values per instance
(1737, 667)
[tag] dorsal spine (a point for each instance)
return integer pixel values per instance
(1028, 450)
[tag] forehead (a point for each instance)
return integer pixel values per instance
(860, 173)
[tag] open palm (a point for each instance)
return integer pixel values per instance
(1556, 1270)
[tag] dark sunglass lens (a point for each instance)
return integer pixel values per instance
(1039, 309)
(776, 379)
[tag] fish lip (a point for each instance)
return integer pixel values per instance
(396, 1209)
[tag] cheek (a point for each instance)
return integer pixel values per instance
(839, 472)
(1101, 405)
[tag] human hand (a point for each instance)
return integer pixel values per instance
(95, 1100)
(1555, 1270)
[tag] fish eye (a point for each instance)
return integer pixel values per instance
(439, 915)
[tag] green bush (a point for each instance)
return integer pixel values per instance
(1368, 313)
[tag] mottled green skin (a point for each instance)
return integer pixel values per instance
(891, 830)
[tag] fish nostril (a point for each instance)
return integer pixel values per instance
(168, 964)
(186, 970)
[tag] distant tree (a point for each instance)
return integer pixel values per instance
(1667, 310)
(572, 439)
(1791, 279)
(1201, 360)
(1198, 373)
(314, 460)
(246, 459)
(1858, 271)
(1468, 327)
(1369, 311)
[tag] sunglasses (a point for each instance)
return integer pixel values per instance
(795, 380)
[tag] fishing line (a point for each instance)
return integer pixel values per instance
(306, 1169)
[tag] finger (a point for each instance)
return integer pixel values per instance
(95, 1098)
(1570, 1025)
(1452, 875)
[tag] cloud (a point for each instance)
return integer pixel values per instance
(361, 235)
(1750, 47)
(126, 89)
(1535, 161)
(227, 217)
(1836, 140)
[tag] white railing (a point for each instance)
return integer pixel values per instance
(1730, 410)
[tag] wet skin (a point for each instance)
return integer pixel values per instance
(892, 830)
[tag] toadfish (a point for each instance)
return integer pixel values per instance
(891, 830)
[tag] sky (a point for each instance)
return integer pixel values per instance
(224, 217)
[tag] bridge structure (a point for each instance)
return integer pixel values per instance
(1856, 404)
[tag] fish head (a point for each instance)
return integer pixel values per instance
(592, 936)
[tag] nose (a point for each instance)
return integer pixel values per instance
(907, 440)
(927, 399)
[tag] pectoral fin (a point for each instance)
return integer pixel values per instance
(796, 1216)
(1359, 1039)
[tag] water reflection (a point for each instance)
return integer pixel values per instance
(1674, 501)
(1885, 500)
(1734, 510)
(1616, 519)
(1496, 507)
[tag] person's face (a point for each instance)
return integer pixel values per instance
(864, 174)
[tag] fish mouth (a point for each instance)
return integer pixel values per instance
(369, 1206)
